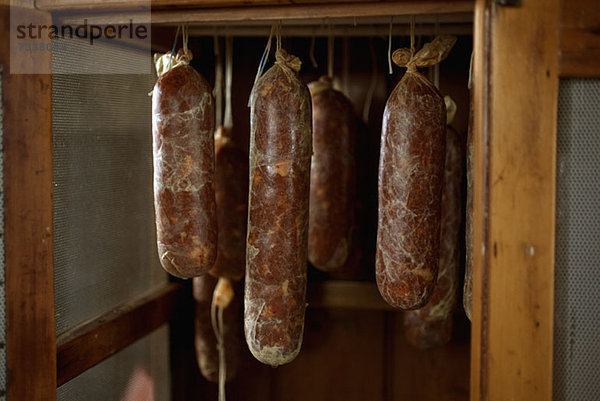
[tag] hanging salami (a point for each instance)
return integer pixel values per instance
(333, 177)
(468, 285)
(231, 190)
(431, 325)
(206, 342)
(218, 323)
(183, 150)
(276, 252)
(411, 170)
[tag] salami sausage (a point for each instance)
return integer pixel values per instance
(332, 177)
(431, 325)
(205, 341)
(411, 170)
(276, 252)
(231, 192)
(425, 334)
(183, 150)
(468, 285)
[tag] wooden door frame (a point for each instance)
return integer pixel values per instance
(516, 89)
(27, 151)
(38, 361)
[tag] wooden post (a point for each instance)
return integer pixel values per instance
(516, 85)
(27, 126)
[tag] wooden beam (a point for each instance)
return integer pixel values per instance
(30, 4)
(307, 31)
(90, 343)
(580, 38)
(273, 13)
(515, 176)
(27, 127)
(88, 5)
(345, 294)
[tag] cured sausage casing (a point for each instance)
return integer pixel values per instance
(432, 324)
(183, 150)
(411, 171)
(205, 341)
(231, 193)
(333, 177)
(276, 251)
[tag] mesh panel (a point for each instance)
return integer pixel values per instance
(577, 304)
(129, 375)
(104, 237)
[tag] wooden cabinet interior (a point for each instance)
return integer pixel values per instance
(385, 367)
(354, 346)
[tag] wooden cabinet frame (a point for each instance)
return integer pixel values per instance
(516, 72)
(29, 279)
(516, 86)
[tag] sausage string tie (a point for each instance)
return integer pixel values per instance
(412, 36)
(174, 46)
(228, 121)
(218, 90)
(470, 83)
(436, 68)
(313, 60)
(431, 54)
(166, 62)
(263, 61)
(330, 51)
(222, 296)
(279, 35)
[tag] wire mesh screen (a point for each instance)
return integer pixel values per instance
(104, 238)
(139, 372)
(577, 282)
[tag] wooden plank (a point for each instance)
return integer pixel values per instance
(55, 5)
(341, 359)
(27, 126)
(91, 5)
(274, 13)
(479, 91)
(580, 38)
(307, 31)
(437, 374)
(90, 343)
(346, 295)
(515, 143)
(18, 3)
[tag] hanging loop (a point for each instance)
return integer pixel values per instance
(330, 51)
(218, 89)
(228, 121)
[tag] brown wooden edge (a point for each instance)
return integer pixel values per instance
(479, 91)
(116, 5)
(514, 204)
(27, 127)
(272, 13)
(90, 343)
(579, 38)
